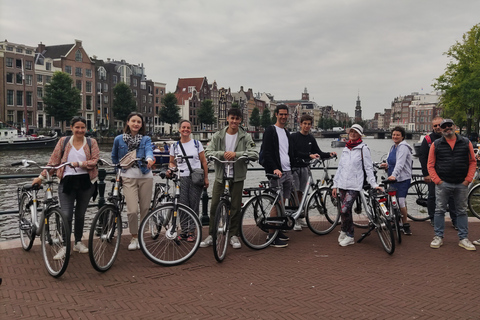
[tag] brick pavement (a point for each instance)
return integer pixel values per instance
(311, 279)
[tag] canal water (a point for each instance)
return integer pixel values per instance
(8, 187)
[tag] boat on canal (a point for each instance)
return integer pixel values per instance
(161, 151)
(11, 140)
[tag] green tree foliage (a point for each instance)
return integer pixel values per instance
(123, 101)
(255, 120)
(461, 81)
(327, 123)
(266, 119)
(170, 112)
(206, 113)
(62, 100)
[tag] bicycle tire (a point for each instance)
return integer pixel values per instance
(168, 247)
(254, 215)
(322, 214)
(383, 227)
(221, 230)
(55, 237)
(474, 201)
(359, 216)
(417, 201)
(26, 225)
(104, 239)
(397, 217)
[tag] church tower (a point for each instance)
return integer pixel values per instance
(358, 110)
(305, 95)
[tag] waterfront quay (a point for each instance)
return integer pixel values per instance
(313, 278)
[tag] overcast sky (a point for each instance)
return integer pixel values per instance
(334, 48)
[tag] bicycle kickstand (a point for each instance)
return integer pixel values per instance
(370, 229)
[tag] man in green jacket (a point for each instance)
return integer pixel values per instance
(230, 143)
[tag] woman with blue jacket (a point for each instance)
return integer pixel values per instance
(137, 181)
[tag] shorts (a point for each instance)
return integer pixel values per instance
(402, 188)
(300, 177)
(286, 182)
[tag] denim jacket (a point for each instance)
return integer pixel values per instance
(144, 150)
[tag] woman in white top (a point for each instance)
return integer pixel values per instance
(76, 185)
(189, 192)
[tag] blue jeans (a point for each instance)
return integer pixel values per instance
(459, 192)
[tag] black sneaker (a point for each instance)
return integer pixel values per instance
(282, 236)
(277, 243)
(406, 229)
(454, 225)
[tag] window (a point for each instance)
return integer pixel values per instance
(28, 51)
(19, 78)
(105, 99)
(10, 116)
(40, 105)
(114, 79)
(79, 85)
(143, 85)
(102, 73)
(105, 87)
(135, 93)
(48, 66)
(99, 87)
(9, 48)
(88, 73)
(39, 79)
(10, 98)
(39, 92)
(157, 100)
(48, 79)
(149, 99)
(18, 63)
(19, 50)
(29, 98)
(9, 62)
(78, 55)
(144, 98)
(9, 77)
(68, 69)
(88, 86)
(19, 98)
(28, 65)
(135, 82)
(78, 72)
(28, 79)
(89, 102)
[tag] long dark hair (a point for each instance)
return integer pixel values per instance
(126, 129)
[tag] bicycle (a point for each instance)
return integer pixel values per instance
(54, 231)
(106, 229)
(221, 227)
(474, 192)
(395, 216)
(257, 220)
(170, 234)
(416, 199)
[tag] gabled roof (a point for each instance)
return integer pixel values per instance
(56, 52)
(183, 84)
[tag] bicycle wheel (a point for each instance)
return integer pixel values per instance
(169, 238)
(104, 238)
(384, 231)
(26, 224)
(397, 217)
(322, 214)
(254, 228)
(55, 242)
(417, 201)
(221, 230)
(359, 216)
(474, 201)
(159, 197)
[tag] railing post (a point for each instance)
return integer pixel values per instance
(205, 217)
(102, 173)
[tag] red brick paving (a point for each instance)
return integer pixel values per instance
(311, 279)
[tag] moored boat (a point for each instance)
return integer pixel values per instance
(11, 140)
(161, 151)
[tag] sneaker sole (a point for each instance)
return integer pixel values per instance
(279, 245)
(345, 245)
(435, 246)
(467, 248)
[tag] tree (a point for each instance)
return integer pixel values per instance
(327, 123)
(461, 81)
(266, 119)
(62, 100)
(170, 112)
(255, 118)
(206, 113)
(123, 101)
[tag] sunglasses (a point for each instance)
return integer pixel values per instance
(446, 125)
(436, 125)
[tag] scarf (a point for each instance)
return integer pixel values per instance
(352, 144)
(132, 141)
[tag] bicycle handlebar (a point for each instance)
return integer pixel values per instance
(246, 158)
(26, 163)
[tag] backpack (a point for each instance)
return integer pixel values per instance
(261, 159)
(89, 142)
(429, 140)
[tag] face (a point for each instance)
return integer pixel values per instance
(135, 124)
(78, 129)
(448, 130)
(436, 125)
(185, 129)
(234, 122)
(305, 127)
(353, 135)
(282, 116)
(397, 137)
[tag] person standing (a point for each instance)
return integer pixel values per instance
(305, 149)
(230, 143)
(423, 157)
(348, 180)
(137, 181)
(278, 154)
(77, 185)
(190, 193)
(451, 165)
(399, 168)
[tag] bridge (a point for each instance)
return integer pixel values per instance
(377, 134)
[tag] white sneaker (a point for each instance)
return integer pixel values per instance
(341, 236)
(60, 254)
(436, 243)
(476, 242)
(235, 242)
(207, 242)
(303, 223)
(80, 247)
(297, 226)
(466, 244)
(134, 245)
(347, 241)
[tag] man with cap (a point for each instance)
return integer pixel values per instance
(451, 165)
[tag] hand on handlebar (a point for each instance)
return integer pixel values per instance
(277, 173)
(229, 155)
